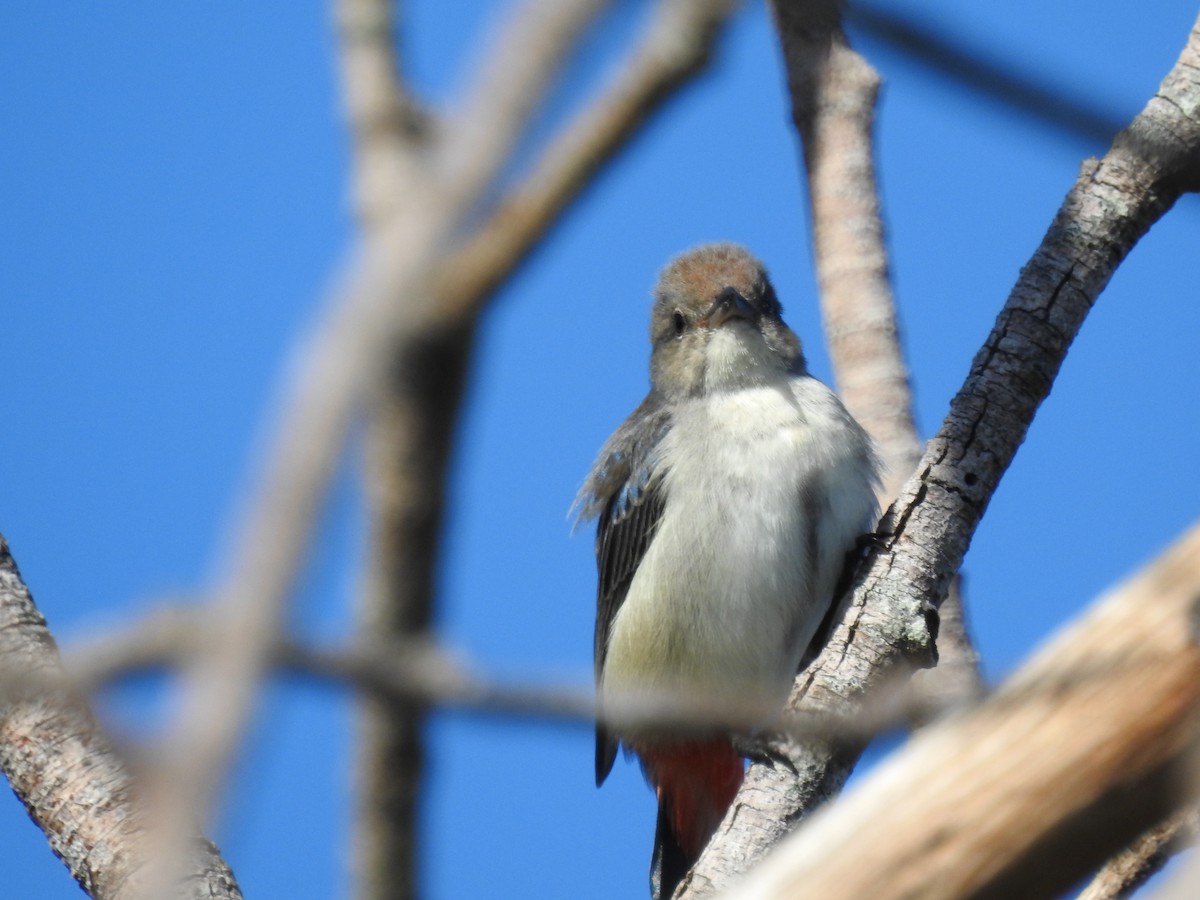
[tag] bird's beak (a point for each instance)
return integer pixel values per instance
(729, 305)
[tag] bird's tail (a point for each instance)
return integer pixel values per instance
(695, 782)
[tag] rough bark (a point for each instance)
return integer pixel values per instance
(834, 92)
(73, 783)
(1085, 747)
(927, 530)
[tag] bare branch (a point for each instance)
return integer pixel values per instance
(409, 448)
(1024, 795)
(416, 671)
(220, 687)
(928, 528)
(996, 80)
(416, 400)
(388, 128)
(676, 46)
(1133, 866)
(392, 152)
(834, 92)
(420, 672)
(416, 408)
(346, 354)
(508, 83)
(69, 776)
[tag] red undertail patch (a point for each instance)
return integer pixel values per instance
(695, 782)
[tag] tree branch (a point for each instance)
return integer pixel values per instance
(1080, 751)
(347, 353)
(410, 441)
(416, 671)
(928, 528)
(970, 66)
(388, 127)
(508, 83)
(676, 46)
(392, 149)
(69, 776)
(834, 92)
(408, 452)
(1133, 866)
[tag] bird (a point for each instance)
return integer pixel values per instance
(726, 505)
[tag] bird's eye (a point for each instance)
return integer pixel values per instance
(679, 322)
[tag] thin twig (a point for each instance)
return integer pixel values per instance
(1133, 866)
(417, 671)
(970, 66)
(675, 47)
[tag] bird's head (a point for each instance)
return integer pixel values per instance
(716, 325)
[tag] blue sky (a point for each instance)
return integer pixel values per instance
(173, 198)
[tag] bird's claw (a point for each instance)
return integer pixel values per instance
(765, 748)
(865, 543)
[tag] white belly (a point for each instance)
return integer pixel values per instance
(761, 504)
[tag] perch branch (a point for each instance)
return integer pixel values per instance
(1084, 748)
(1112, 204)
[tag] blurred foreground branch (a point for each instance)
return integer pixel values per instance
(419, 671)
(1005, 84)
(416, 403)
(1026, 794)
(346, 354)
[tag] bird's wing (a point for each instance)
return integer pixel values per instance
(625, 491)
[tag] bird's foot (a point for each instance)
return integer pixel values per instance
(765, 748)
(865, 543)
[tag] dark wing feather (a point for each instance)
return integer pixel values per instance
(626, 489)
(621, 542)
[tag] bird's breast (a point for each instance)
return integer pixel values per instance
(742, 566)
